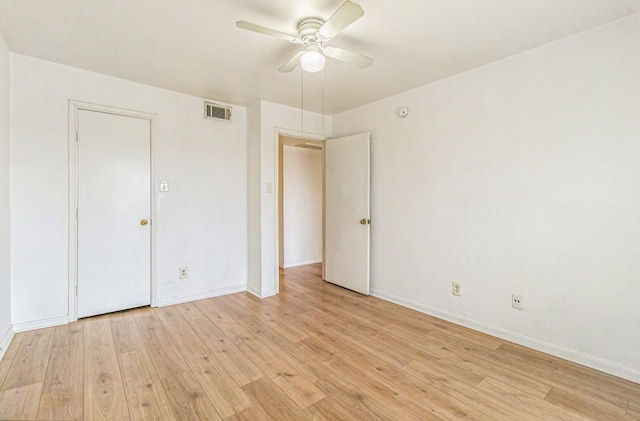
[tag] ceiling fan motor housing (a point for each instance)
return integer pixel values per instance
(308, 31)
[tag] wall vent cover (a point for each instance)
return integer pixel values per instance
(217, 112)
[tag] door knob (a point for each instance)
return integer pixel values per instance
(144, 222)
(365, 221)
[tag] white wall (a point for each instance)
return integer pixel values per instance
(521, 176)
(302, 206)
(5, 221)
(200, 223)
(254, 205)
(271, 119)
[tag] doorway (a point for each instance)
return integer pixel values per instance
(300, 201)
(111, 196)
(345, 210)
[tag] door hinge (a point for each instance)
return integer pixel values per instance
(76, 136)
(76, 290)
(76, 214)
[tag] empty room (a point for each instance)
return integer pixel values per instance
(320, 210)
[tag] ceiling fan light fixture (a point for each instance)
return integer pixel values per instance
(312, 60)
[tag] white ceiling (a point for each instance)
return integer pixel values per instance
(193, 46)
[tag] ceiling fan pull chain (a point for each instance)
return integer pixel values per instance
(301, 101)
(322, 100)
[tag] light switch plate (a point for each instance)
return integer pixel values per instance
(164, 186)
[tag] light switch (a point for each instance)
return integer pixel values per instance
(164, 186)
(269, 187)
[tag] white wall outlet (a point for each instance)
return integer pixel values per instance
(184, 272)
(516, 301)
(455, 288)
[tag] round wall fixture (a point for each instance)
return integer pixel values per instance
(403, 112)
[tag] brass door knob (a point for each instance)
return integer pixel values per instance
(144, 222)
(365, 221)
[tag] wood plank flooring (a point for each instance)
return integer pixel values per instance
(314, 352)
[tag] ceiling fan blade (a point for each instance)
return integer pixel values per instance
(348, 56)
(291, 64)
(345, 15)
(266, 31)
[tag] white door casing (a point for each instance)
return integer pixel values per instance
(347, 218)
(113, 198)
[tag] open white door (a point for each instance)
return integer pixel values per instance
(114, 207)
(346, 201)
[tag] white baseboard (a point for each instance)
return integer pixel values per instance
(261, 294)
(254, 291)
(39, 324)
(270, 293)
(567, 354)
(6, 341)
(296, 264)
(201, 295)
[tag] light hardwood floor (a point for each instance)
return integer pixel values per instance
(316, 351)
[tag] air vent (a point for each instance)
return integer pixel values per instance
(217, 112)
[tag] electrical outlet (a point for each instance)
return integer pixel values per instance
(516, 301)
(455, 288)
(184, 272)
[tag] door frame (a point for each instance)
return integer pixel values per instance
(74, 107)
(276, 189)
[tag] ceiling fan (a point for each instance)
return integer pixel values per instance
(313, 33)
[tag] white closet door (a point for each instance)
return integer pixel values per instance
(114, 207)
